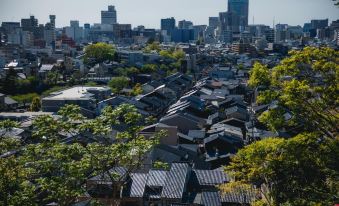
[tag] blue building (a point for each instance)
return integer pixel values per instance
(182, 35)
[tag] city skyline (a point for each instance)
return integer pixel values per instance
(197, 11)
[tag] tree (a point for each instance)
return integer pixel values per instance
(260, 76)
(137, 89)
(8, 85)
(152, 46)
(52, 171)
(149, 68)
(118, 83)
(179, 54)
(91, 84)
(52, 78)
(166, 54)
(298, 171)
(6, 126)
(36, 104)
(25, 98)
(132, 71)
(305, 84)
(99, 52)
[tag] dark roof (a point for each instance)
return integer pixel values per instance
(118, 174)
(224, 137)
(138, 184)
(245, 196)
(156, 178)
(175, 181)
(210, 199)
(9, 101)
(211, 177)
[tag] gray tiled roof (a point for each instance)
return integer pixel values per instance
(138, 184)
(211, 199)
(175, 181)
(156, 178)
(211, 177)
(246, 196)
(116, 172)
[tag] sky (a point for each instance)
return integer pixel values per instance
(149, 12)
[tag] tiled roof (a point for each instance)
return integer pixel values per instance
(246, 196)
(138, 184)
(211, 177)
(117, 173)
(211, 199)
(156, 178)
(175, 181)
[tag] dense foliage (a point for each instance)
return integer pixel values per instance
(303, 170)
(304, 85)
(54, 164)
(99, 52)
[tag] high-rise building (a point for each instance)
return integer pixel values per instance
(168, 24)
(270, 35)
(182, 35)
(241, 8)
(9, 27)
(29, 24)
(52, 20)
(74, 23)
(49, 32)
(122, 31)
(319, 24)
(229, 21)
(185, 24)
(213, 22)
(74, 31)
(109, 16)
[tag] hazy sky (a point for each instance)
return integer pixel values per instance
(149, 12)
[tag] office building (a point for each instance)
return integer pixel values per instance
(270, 35)
(122, 31)
(185, 24)
(109, 16)
(9, 27)
(241, 8)
(168, 24)
(182, 35)
(199, 31)
(229, 21)
(74, 31)
(319, 24)
(29, 24)
(49, 32)
(52, 20)
(213, 22)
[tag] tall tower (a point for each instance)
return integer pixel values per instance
(241, 8)
(109, 16)
(52, 20)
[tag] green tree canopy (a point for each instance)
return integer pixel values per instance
(304, 84)
(299, 171)
(50, 170)
(25, 98)
(118, 83)
(99, 52)
(149, 68)
(137, 89)
(153, 46)
(36, 104)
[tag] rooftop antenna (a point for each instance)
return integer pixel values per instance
(273, 22)
(253, 20)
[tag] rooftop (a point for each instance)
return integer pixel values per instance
(78, 92)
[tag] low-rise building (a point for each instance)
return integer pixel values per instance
(85, 97)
